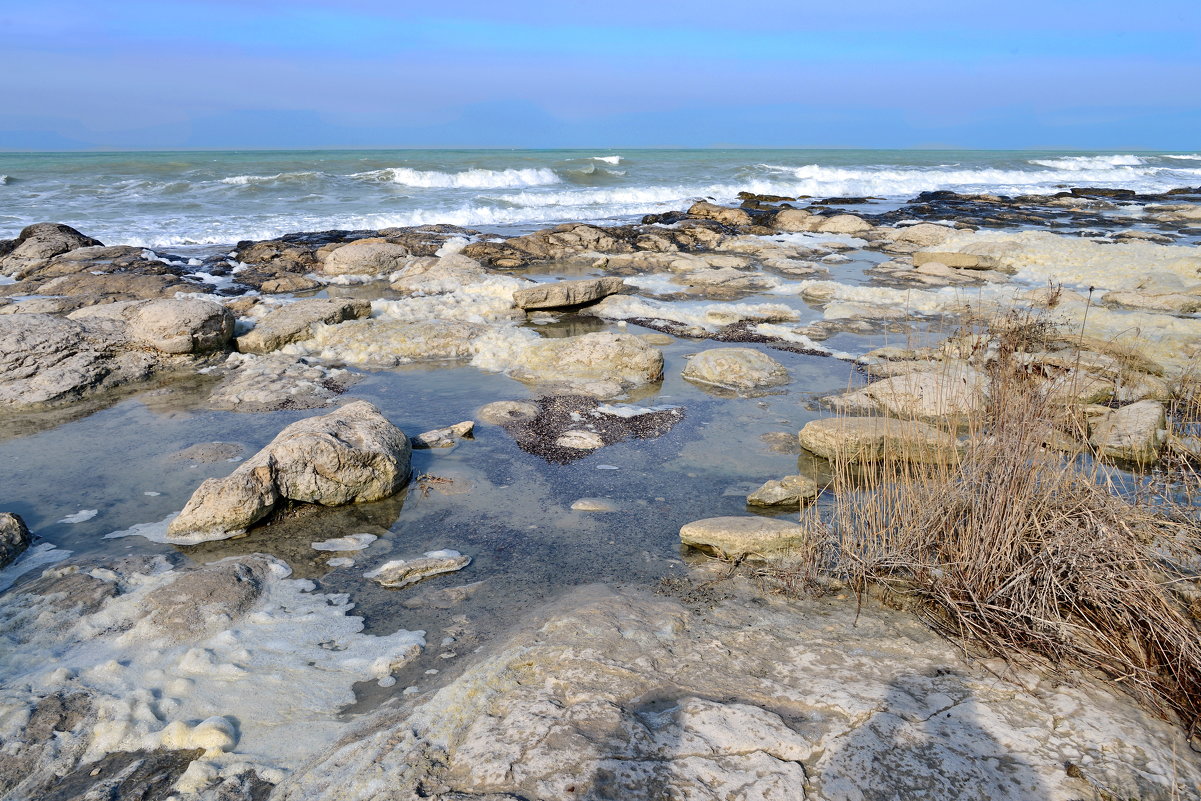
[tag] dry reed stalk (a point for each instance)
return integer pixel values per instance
(1017, 550)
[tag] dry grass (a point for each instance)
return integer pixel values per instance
(1018, 550)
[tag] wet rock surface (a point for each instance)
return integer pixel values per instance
(14, 537)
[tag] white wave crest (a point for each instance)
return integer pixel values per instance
(3, 180)
(468, 179)
(1089, 162)
(251, 180)
(1185, 157)
(608, 159)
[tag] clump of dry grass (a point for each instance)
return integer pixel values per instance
(1018, 550)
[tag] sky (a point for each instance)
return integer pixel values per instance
(181, 74)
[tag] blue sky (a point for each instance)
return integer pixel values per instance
(1057, 73)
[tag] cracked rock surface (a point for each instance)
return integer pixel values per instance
(619, 694)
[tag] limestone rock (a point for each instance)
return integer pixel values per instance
(444, 437)
(743, 537)
(621, 359)
(180, 325)
(949, 391)
(14, 537)
(46, 360)
(274, 381)
(366, 257)
(1136, 432)
(791, 491)
(37, 244)
(872, 439)
(293, 322)
(580, 440)
(722, 214)
(432, 275)
(624, 695)
(844, 224)
(922, 235)
(561, 243)
(794, 220)
(351, 455)
(738, 369)
(961, 261)
(403, 572)
(567, 293)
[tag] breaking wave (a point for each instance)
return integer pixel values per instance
(468, 179)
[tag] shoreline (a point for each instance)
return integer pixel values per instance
(589, 395)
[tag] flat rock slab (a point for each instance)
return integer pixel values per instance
(742, 537)
(627, 695)
(567, 293)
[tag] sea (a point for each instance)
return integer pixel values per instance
(194, 198)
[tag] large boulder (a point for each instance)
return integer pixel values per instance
(180, 325)
(722, 214)
(366, 257)
(874, 439)
(567, 293)
(743, 537)
(740, 369)
(14, 537)
(795, 220)
(352, 455)
(292, 322)
(844, 224)
(37, 244)
(1136, 432)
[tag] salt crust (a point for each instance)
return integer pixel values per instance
(263, 693)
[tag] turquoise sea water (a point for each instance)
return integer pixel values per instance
(180, 198)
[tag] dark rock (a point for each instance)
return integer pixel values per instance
(560, 414)
(14, 537)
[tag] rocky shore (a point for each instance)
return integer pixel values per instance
(280, 635)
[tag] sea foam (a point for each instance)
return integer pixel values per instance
(467, 179)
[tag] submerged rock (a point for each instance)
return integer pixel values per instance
(499, 413)
(739, 369)
(14, 537)
(873, 439)
(403, 572)
(743, 537)
(789, 491)
(351, 455)
(207, 600)
(444, 437)
(569, 427)
(275, 381)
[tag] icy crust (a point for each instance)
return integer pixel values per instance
(263, 692)
(707, 316)
(489, 298)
